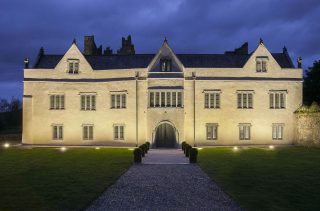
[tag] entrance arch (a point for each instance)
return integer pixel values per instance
(165, 135)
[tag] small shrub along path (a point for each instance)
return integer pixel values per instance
(164, 180)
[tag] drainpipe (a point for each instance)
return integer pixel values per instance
(194, 108)
(137, 77)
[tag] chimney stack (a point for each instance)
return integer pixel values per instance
(127, 47)
(90, 47)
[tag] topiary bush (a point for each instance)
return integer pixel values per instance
(193, 155)
(188, 147)
(148, 144)
(185, 148)
(142, 150)
(183, 144)
(137, 155)
(145, 148)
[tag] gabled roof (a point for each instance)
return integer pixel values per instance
(108, 62)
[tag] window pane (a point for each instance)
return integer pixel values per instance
(264, 66)
(217, 100)
(250, 100)
(113, 101)
(239, 101)
(209, 131)
(212, 98)
(118, 101)
(179, 99)
(215, 132)
(55, 133)
(85, 132)
(163, 99)
(83, 102)
(76, 67)
(116, 132)
(93, 102)
(60, 132)
(206, 100)
(168, 99)
(241, 132)
(61, 101)
(282, 100)
(57, 103)
(90, 132)
(123, 101)
(70, 67)
(274, 132)
(157, 99)
(271, 96)
(52, 101)
(121, 132)
(277, 101)
(280, 132)
(247, 132)
(258, 66)
(244, 96)
(151, 99)
(174, 99)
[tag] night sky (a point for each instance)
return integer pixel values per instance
(193, 26)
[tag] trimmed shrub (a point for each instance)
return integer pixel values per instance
(193, 155)
(188, 147)
(137, 155)
(185, 148)
(145, 148)
(183, 144)
(142, 150)
(148, 145)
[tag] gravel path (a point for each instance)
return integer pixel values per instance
(162, 187)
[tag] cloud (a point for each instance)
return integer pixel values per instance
(191, 26)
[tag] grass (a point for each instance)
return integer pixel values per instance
(264, 179)
(48, 179)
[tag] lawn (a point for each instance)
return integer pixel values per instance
(48, 179)
(265, 179)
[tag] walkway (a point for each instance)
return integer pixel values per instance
(164, 181)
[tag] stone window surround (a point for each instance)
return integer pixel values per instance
(277, 131)
(121, 99)
(262, 64)
(57, 132)
(118, 137)
(91, 106)
(73, 66)
(247, 104)
(56, 101)
(215, 93)
(244, 131)
(214, 132)
(158, 94)
(87, 136)
(277, 103)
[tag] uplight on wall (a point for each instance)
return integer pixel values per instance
(271, 147)
(6, 145)
(63, 149)
(235, 148)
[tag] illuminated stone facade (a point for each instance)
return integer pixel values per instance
(235, 98)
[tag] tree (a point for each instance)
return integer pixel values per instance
(311, 86)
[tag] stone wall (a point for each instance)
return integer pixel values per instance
(308, 129)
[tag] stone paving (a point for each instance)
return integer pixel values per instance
(164, 181)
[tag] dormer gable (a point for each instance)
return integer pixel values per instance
(73, 61)
(165, 60)
(261, 61)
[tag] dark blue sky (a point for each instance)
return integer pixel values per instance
(191, 26)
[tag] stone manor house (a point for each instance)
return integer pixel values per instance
(125, 99)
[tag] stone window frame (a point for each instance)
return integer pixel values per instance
(245, 99)
(276, 127)
(73, 66)
(174, 96)
(118, 99)
(57, 101)
(165, 65)
(245, 131)
(214, 131)
(212, 99)
(117, 132)
(88, 101)
(278, 99)
(262, 64)
(57, 132)
(87, 132)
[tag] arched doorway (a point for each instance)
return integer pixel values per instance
(165, 136)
